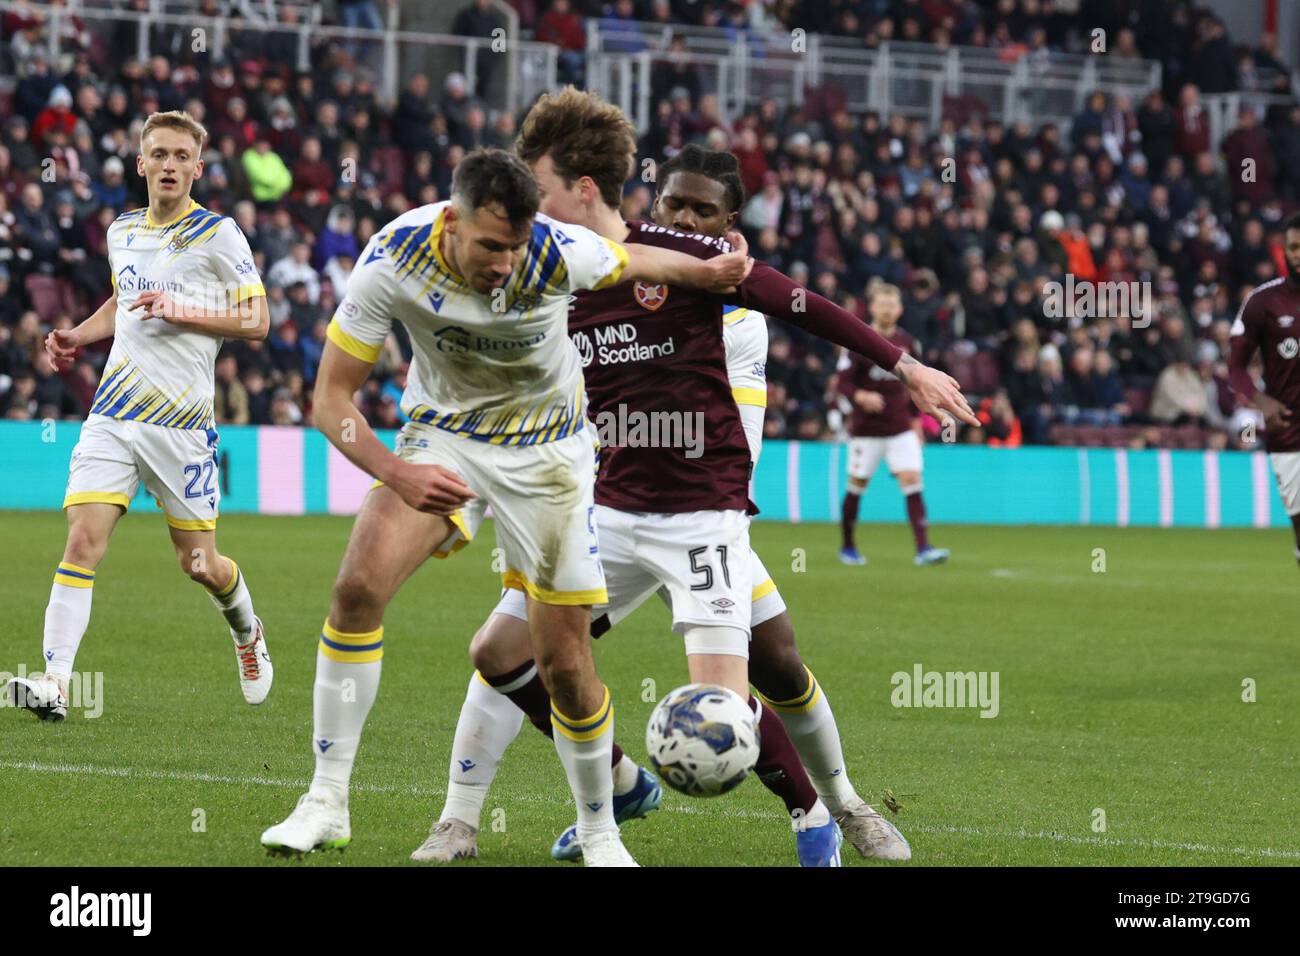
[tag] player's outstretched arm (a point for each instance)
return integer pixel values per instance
(61, 345)
(657, 265)
(429, 488)
(933, 392)
(250, 319)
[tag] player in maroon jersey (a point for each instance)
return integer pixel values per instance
(670, 513)
(1269, 323)
(883, 424)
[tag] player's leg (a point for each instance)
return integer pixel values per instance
(787, 686)
(102, 480)
(864, 457)
(221, 577)
(67, 615)
(489, 721)
(710, 594)
(1286, 469)
(389, 541)
(543, 502)
(180, 468)
(903, 456)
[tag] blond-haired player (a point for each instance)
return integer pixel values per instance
(183, 280)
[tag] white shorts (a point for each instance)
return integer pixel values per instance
(1286, 466)
(178, 466)
(691, 557)
(541, 497)
(902, 452)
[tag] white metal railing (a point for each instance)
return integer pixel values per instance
(531, 68)
(1223, 109)
(917, 80)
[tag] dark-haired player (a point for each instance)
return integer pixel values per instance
(882, 425)
(1269, 322)
(667, 519)
(497, 408)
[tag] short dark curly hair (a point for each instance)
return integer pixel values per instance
(488, 177)
(718, 165)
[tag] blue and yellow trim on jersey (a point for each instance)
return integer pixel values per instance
(519, 581)
(797, 705)
(732, 314)
(195, 228)
(74, 575)
(586, 728)
(364, 351)
(126, 395)
(358, 648)
(549, 419)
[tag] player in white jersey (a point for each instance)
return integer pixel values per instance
(691, 199)
(498, 417)
(183, 280)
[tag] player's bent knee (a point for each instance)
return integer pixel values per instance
(355, 595)
(775, 665)
(500, 645)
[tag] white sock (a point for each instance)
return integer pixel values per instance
(489, 722)
(66, 617)
(586, 747)
(811, 726)
(236, 604)
(626, 774)
(347, 682)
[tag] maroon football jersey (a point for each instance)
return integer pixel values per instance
(658, 393)
(862, 373)
(1270, 321)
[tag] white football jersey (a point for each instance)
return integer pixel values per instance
(158, 372)
(507, 375)
(744, 336)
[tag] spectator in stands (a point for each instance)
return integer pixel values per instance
(1249, 159)
(268, 177)
(230, 399)
(1179, 397)
(413, 118)
(296, 267)
(481, 21)
(561, 26)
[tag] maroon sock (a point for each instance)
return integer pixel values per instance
(849, 518)
(778, 764)
(533, 700)
(916, 515)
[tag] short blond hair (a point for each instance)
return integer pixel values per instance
(884, 288)
(174, 119)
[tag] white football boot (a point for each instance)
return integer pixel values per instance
(315, 824)
(448, 840)
(606, 849)
(871, 834)
(44, 696)
(255, 671)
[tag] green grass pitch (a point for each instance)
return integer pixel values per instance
(1120, 693)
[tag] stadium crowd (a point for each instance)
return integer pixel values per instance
(312, 163)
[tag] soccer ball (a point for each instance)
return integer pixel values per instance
(702, 739)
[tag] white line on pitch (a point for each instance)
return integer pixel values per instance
(418, 791)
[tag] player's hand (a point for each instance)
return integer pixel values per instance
(725, 272)
(933, 392)
(430, 488)
(1276, 415)
(158, 305)
(868, 400)
(61, 346)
